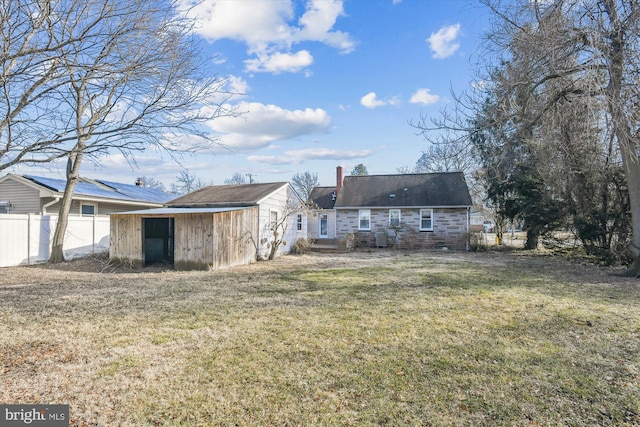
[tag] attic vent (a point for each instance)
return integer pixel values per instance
(392, 195)
(333, 196)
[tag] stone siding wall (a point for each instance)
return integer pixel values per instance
(449, 228)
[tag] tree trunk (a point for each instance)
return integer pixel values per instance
(622, 128)
(533, 236)
(632, 173)
(73, 168)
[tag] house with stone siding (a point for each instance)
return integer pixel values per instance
(426, 210)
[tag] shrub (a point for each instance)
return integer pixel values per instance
(300, 246)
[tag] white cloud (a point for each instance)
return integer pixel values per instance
(260, 125)
(268, 28)
(371, 100)
(317, 22)
(236, 86)
(252, 22)
(424, 96)
(445, 43)
(280, 62)
(327, 154)
(299, 156)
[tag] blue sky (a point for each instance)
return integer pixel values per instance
(323, 83)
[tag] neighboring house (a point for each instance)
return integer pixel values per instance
(429, 210)
(210, 228)
(24, 194)
(479, 223)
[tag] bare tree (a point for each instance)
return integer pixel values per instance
(446, 155)
(279, 223)
(31, 72)
(541, 56)
(186, 182)
(583, 50)
(237, 178)
(131, 80)
(151, 182)
(303, 183)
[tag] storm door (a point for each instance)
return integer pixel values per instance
(323, 224)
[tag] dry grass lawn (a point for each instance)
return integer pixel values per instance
(367, 338)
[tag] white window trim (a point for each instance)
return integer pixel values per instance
(272, 225)
(95, 208)
(432, 221)
(360, 214)
(299, 223)
(399, 216)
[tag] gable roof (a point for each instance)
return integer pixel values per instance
(227, 195)
(447, 189)
(95, 189)
(322, 197)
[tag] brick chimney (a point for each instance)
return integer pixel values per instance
(338, 179)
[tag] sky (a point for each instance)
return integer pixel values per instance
(320, 84)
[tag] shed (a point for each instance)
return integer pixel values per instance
(187, 238)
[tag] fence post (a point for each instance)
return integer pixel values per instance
(29, 239)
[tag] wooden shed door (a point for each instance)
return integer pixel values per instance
(158, 240)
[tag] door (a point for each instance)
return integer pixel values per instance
(323, 224)
(158, 240)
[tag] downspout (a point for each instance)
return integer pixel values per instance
(28, 239)
(468, 229)
(53, 202)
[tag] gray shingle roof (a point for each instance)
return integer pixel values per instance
(226, 195)
(447, 189)
(322, 197)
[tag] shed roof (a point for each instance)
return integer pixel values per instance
(227, 195)
(179, 211)
(447, 189)
(103, 189)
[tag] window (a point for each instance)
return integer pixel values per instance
(426, 219)
(274, 219)
(87, 210)
(394, 217)
(299, 223)
(364, 219)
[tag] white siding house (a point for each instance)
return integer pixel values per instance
(277, 203)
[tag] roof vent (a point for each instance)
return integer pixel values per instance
(140, 182)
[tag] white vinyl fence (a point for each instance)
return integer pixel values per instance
(26, 239)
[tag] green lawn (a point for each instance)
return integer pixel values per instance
(378, 338)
